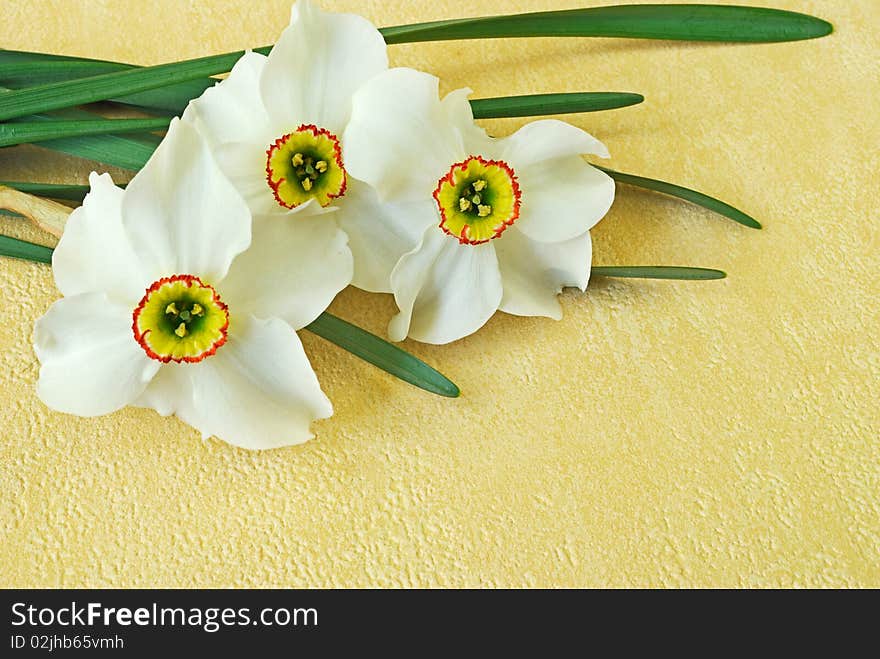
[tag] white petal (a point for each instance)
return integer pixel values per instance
(546, 140)
(533, 273)
(445, 290)
(319, 61)
(401, 138)
(457, 108)
(562, 198)
(90, 362)
(232, 110)
(244, 164)
(94, 253)
(380, 233)
(181, 214)
(295, 266)
(258, 392)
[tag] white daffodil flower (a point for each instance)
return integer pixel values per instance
(166, 307)
(492, 223)
(275, 126)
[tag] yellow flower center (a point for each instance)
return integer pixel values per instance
(305, 164)
(477, 199)
(180, 319)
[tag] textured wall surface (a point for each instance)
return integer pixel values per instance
(678, 434)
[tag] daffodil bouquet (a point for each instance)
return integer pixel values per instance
(310, 167)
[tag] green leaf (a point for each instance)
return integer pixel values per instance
(68, 93)
(125, 152)
(22, 132)
(352, 338)
(40, 131)
(35, 71)
(21, 249)
(51, 190)
(687, 194)
(540, 104)
(657, 272)
(175, 97)
(133, 152)
(380, 353)
(677, 22)
(19, 69)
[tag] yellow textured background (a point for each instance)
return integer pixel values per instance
(680, 434)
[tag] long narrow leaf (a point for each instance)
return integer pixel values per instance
(677, 22)
(538, 104)
(51, 190)
(133, 152)
(30, 73)
(21, 249)
(21, 132)
(686, 22)
(19, 69)
(33, 100)
(115, 150)
(29, 132)
(687, 194)
(657, 272)
(350, 337)
(130, 152)
(380, 353)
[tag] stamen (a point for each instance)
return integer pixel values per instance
(307, 184)
(479, 185)
(483, 211)
(171, 309)
(197, 310)
(181, 330)
(464, 204)
(297, 159)
(321, 166)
